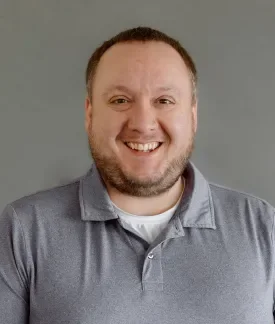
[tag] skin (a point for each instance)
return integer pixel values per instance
(141, 93)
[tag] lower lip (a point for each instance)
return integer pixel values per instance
(143, 154)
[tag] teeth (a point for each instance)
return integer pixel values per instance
(143, 147)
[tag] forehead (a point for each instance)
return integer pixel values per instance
(142, 63)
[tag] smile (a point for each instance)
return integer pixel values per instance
(148, 147)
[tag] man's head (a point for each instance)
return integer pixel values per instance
(141, 89)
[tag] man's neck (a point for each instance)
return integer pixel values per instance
(148, 206)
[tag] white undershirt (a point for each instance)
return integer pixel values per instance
(147, 227)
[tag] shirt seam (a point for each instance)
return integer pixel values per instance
(243, 193)
(73, 182)
(25, 246)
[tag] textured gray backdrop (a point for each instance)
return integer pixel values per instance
(44, 48)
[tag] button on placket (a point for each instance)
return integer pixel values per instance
(152, 276)
(150, 256)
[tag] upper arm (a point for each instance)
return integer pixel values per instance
(14, 296)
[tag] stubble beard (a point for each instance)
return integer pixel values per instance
(111, 172)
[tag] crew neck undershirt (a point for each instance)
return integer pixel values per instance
(147, 227)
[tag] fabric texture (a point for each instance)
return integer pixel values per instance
(65, 258)
(147, 227)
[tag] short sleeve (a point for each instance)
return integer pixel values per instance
(273, 250)
(14, 296)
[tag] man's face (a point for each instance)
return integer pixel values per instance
(141, 94)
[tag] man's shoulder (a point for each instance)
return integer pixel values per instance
(50, 200)
(236, 199)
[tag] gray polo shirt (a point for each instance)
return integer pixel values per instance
(64, 258)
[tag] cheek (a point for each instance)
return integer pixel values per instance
(179, 128)
(106, 128)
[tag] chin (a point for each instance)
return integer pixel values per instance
(142, 176)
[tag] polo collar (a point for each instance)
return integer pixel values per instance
(195, 209)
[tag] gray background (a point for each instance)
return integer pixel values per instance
(44, 49)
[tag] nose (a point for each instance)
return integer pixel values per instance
(142, 117)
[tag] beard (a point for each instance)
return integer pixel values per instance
(112, 173)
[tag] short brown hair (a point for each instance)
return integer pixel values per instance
(142, 34)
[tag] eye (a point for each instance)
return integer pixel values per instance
(165, 101)
(119, 101)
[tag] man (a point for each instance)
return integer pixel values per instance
(142, 237)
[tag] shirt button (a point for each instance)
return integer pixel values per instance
(150, 256)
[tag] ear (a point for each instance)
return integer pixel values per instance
(195, 114)
(88, 113)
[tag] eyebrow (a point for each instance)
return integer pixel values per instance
(126, 89)
(115, 87)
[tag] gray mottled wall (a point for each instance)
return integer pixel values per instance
(44, 48)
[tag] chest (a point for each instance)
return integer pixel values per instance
(113, 277)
